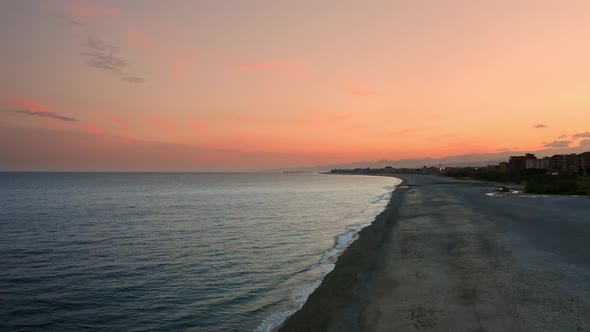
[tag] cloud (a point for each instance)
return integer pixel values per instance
(199, 125)
(91, 127)
(515, 148)
(103, 56)
(557, 144)
(133, 79)
(105, 61)
(69, 19)
(585, 142)
(121, 123)
(581, 135)
(80, 12)
(539, 126)
(98, 45)
(563, 136)
(45, 114)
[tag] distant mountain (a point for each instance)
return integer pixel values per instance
(475, 160)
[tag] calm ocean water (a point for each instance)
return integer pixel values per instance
(171, 251)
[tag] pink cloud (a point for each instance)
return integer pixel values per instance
(80, 11)
(92, 128)
(123, 124)
(35, 107)
(199, 125)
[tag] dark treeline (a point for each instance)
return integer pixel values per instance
(535, 181)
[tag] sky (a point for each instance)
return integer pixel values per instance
(242, 85)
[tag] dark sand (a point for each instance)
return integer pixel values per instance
(444, 256)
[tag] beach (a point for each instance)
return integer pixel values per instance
(453, 255)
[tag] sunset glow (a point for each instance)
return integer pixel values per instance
(253, 85)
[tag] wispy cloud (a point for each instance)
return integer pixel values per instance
(199, 125)
(105, 61)
(557, 144)
(104, 56)
(44, 114)
(582, 135)
(507, 149)
(69, 19)
(133, 79)
(585, 142)
(80, 12)
(98, 45)
(539, 126)
(92, 128)
(121, 123)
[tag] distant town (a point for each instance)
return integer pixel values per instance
(559, 164)
(561, 174)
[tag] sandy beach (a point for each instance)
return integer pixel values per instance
(452, 255)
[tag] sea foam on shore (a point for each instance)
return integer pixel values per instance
(329, 257)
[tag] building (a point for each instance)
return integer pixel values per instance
(543, 163)
(535, 163)
(584, 162)
(519, 163)
(530, 163)
(503, 167)
(557, 164)
(564, 163)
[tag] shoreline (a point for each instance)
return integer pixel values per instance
(357, 262)
(444, 256)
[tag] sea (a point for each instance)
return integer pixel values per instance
(172, 251)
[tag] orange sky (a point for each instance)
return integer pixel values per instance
(246, 85)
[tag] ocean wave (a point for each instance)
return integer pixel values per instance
(328, 259)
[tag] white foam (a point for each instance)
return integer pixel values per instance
(327, 260)
(274, 320)
(298, 297)
(515, 193)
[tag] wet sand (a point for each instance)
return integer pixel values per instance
(444, 256)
